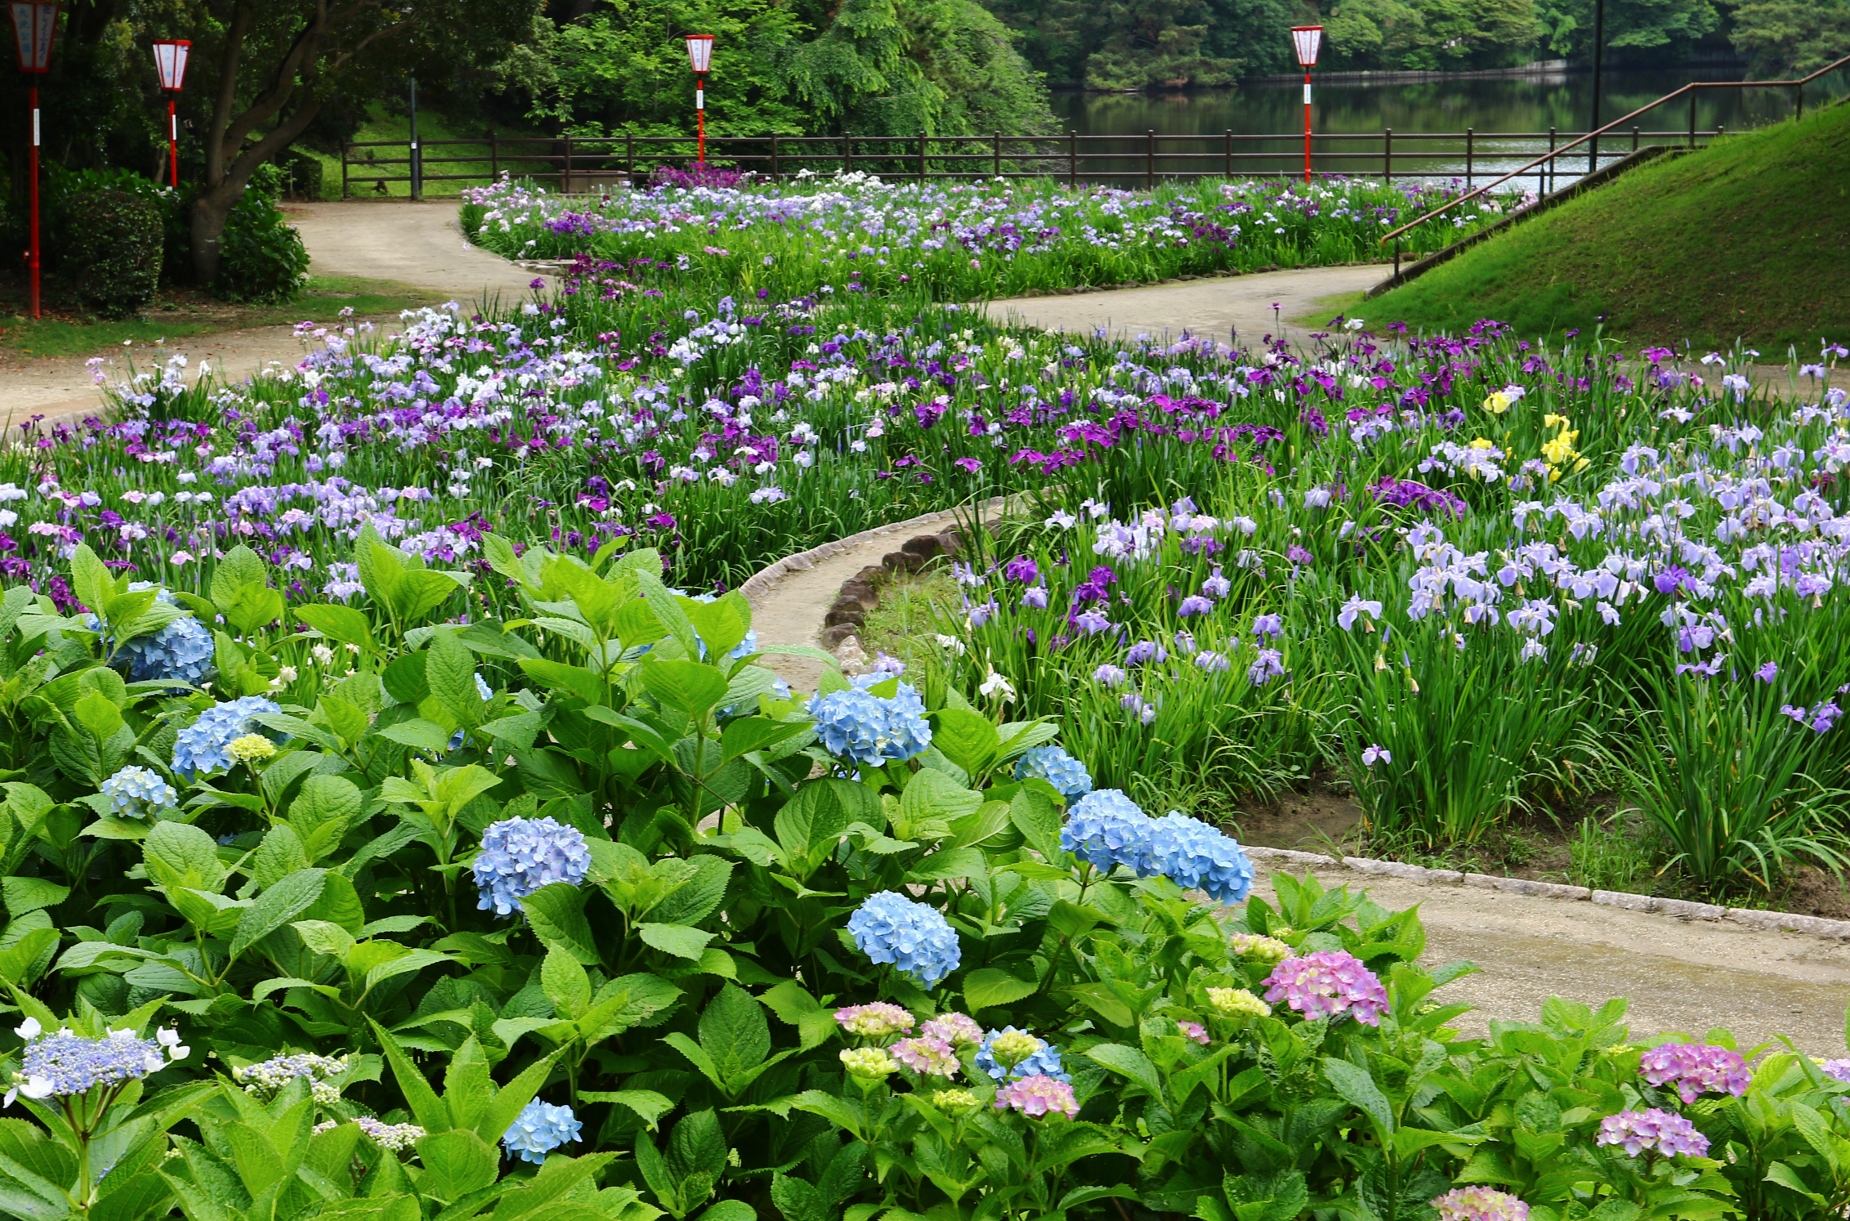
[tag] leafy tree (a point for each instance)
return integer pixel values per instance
(269, 67)
(1630, 24)
(1788, 38)
(943, 67)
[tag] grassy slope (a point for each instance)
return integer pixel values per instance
(432, 125)
(1748, 239)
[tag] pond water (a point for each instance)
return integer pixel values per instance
(1510, 121)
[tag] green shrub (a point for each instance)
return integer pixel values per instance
(115, 252)
(260, 257)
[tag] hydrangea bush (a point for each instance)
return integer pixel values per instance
(648, 938)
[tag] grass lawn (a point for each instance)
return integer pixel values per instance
(1748, 239)
(472, 157)
(64, 331)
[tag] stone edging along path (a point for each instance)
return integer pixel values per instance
(820, 597)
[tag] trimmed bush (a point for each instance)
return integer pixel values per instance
(115, 251)
(260, 257)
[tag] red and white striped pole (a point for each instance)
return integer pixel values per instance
(35, 24)
(170, 55)
(700, 59)
(1305, 40)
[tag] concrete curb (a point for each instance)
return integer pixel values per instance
(1681, 909)
(924, 537)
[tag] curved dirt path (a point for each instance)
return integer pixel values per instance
(1219, 308)
(1681, 975)
(416, 245)
(790, 599)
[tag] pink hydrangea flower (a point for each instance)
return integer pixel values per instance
(1038, 1095)
(1480, 1204)
(1655, 1130)
(957, 1029)
(875, 1021)
(1326, 983)
(927, 1056)
(1695, 1069)
(1195, 1031)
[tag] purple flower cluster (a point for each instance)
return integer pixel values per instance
(1695, 1069)
(1653, 1131)
(1327, 983)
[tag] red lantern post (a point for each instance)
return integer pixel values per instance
(35, 23)
(170, 65)
(700, 58)
(1305, 40)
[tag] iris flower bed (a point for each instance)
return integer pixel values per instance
(1651, 557)
(966, 242)
(398, 821)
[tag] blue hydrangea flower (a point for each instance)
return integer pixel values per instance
(204, 745)
(858, 725)
(63, 1064)
(1106, 828)
(520, 855)
(1056, 767)
(539, 1129)
(181, 651)
(136, 792)
(1045, 1062)
(889, 927)
(1197, 856)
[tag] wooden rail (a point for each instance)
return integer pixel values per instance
(582, 164)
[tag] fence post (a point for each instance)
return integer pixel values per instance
(921, 158)
(995, 157)
(847, 152)
(494, 158)
(1387, 154)
(1692, 118)
(1634, 137)
(1470, 141)
(1149, 161)
(1798, 100)
(1228, 137)
(1072, 158)
(565, 187)
(1550, 163)
(774, 161)
(343, 170)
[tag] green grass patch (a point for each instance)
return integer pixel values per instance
(63, 332)
(1748, 239)
(472, 157)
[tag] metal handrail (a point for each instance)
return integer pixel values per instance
(1555, 153)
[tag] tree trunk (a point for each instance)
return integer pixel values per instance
(210, 211)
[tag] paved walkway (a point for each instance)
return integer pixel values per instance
(1252, 306)
(416, 245)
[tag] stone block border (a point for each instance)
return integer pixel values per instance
(939, 534)
(1681, 909)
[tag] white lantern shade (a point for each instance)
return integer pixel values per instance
(170, 62)
(34, 24)
(1305, 40)
(700, 52)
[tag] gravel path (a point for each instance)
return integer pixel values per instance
(417, 245)
(1680, 975)
(1216, 307)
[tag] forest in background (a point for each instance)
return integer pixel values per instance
(308, 74)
